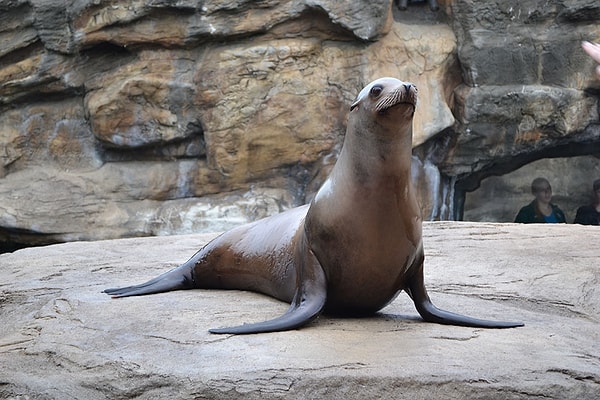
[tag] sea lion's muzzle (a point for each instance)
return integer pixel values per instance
(403, 94)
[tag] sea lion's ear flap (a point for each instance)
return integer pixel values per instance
(358, 99)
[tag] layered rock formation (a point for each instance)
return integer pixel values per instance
(61, 338)
(138, 118)
(153, 117)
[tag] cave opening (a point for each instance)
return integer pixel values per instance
(496, 192)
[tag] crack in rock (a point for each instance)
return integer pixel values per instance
(273, 381)
(577, 375)
(457, 338)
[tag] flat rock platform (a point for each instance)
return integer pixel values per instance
(61, 338)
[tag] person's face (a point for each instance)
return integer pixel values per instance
(543, 193)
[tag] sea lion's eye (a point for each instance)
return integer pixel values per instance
(376, 90)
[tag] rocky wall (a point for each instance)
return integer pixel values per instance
(528, 93)
(151, 117)
(147, 117)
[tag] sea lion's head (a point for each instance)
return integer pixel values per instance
(386, 102)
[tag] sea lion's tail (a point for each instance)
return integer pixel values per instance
(431, 313)
(175, 279)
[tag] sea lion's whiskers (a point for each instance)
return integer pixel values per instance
(401, 94)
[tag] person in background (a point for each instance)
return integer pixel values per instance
(590, 215)
(540, 210)
(593, 50)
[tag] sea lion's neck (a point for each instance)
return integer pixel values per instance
(370, 157)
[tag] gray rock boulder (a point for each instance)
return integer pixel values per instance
(528, 92)
(60, 337)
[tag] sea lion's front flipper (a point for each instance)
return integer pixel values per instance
(431, 313)
(309, 299)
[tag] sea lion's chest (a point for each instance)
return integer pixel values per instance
(366, 238)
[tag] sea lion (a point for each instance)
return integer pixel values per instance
(351, 251)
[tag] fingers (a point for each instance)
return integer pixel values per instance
(593, 49)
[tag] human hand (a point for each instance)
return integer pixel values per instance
(593, 49)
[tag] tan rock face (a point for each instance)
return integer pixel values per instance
(135, 109)
(146, 102)
(156, 103)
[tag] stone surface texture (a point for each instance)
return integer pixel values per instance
(154, 117)
(60, 337)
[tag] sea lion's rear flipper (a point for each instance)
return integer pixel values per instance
(431, 313)
(309, 299)
(175, 279)
(300, 313)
